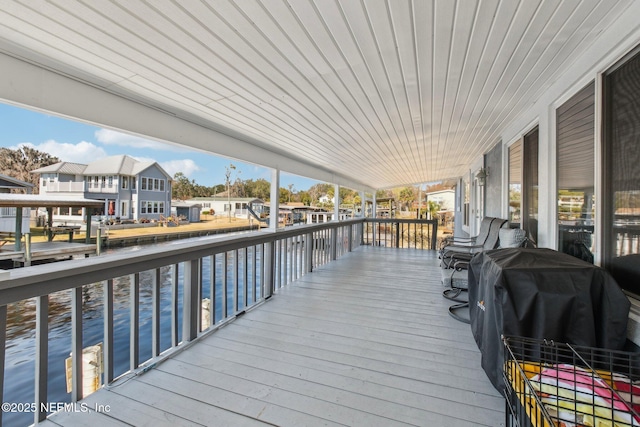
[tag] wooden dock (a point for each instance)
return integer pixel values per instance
(363, 341)
(48, 250)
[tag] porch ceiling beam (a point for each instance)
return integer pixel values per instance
(33, 86)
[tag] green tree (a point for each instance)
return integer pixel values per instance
(284, 195)
(433, 209)
(182, 188)
(305, 198)
(19, 163)
(216, 189)
(384, 194)
(259, 189)
(406, 196)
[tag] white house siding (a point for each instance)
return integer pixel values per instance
(8, 220)
(217, 204)
(445, 198)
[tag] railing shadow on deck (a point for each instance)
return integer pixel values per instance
(175, 292)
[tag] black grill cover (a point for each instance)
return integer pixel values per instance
(545, 294)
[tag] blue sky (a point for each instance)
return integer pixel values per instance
(77, 142)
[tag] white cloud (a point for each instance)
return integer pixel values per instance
(82, 152)
(112, 137)
(187, 166)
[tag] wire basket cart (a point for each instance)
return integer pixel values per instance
(550, 384)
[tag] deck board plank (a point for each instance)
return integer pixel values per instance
(365, 340)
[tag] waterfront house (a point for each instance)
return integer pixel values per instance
(223, 206)
(131, 189)
(519, 102)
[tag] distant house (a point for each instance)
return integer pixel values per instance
(324, 199)
(7, 214)
(221, 206)
(130, 189)
(444, 198)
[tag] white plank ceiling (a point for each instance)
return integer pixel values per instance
(383, 92)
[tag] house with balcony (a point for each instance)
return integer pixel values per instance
(131, 190)
(525, 105)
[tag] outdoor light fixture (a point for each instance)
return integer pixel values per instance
(481, 176)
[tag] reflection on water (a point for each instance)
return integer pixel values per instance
(20, 345)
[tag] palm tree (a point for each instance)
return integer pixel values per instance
(433, 209)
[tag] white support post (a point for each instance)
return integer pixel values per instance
(373, 215)
(18, 243)
(274, 203)
(336, 203)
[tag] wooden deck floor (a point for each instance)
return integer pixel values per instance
(363, 341)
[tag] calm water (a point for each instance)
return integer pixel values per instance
(20, 349)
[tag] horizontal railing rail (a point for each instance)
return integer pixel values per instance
(138, 306)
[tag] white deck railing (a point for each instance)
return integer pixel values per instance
(63, 187)
(238, 272)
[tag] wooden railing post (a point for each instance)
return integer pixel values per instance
(434, 235)
(190, 301)
(42, 356)
(76, 344)
(18, 241)
(334, 243)
(3, 346)
(174, 303)
(308, 240)
(155, 313)
(108, 349)
(212, 289)
(223, 301)
(270, 265)
(98, 240)
(134, 326)
(27, 249)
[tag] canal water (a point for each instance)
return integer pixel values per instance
(20, 344)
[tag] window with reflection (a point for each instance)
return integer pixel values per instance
(515, 181)
(576, 174)
(529, 206)
(622, 159)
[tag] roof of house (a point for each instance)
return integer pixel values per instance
(62, 167)
(445, 191)
(113, 165)
(10, 182)
(119, 165)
